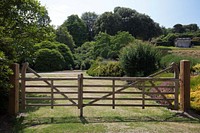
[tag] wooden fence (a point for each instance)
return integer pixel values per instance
(86, 93)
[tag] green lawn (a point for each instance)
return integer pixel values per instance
(104, 119)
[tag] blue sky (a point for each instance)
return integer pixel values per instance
(165, 12)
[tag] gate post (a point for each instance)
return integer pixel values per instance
(13, 107)
(184, 85)
(23, 85)
(80, 94)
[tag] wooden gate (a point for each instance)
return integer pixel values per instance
(121, 91)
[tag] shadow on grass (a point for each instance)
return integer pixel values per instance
(34, 108)
(22, 122)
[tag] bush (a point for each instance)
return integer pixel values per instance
(5, 72)
(105, 68)
(62, 48)
(67, 54)
(49, 60)
(196, 68)
(140, 59)
(195, 93)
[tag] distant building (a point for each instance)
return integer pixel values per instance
(183, 42)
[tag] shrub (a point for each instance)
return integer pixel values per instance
(196, 68)
(195, 93)
(62, 48)
(67, 54)
(140, 59)
(5, 72)
(84, 56)
(105, 68)
(195, 100)
(49, 60)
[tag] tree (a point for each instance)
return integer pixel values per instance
(77, 29)
(139, 25)
(25, 22)
(63, 36)
(84, 56)
(120, 40)
(89, 19)
(178, 28)
(102, 45)
(108, 22)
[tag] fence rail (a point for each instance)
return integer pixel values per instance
(83, 94)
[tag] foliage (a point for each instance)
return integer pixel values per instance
(5, 72)
(109, 47)
(195, 100)
(63, 36)
(26, 23)
(84, 56)
(195, 93)
(139, 25)
(140, 59)
(108, 22)
(61, 48)
(196, 41)
(49, 60)
(168, 59)
(105, 68)
(77, 29)
(89, 19)
(196, 68)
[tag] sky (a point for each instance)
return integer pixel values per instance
(165, 12)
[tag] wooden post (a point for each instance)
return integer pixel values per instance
(80, 94)
(185, 85)
(143, 95)
(113, 96)
(176, 83)
(52, 96)
(13, 107)
(23, 85)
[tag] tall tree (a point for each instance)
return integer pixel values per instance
(125, 19)
(25, 22)
(77, 29)
(178, 28)
(89, 19)
(63, 36)
(108, 22)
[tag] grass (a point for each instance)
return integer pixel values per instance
(104, 119)
(189, 52)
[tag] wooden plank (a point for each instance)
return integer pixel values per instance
(52, 98)
(134, 105)
(143, 96)
(139, 98)
(136, 86)
(80, 94)
(47, 79)
(132, 78)
(13, 106)
(62, 92)
(50, 105)
(113, 96)
(57, 86)
(23, 84)
(127, 92)
(48, 98)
